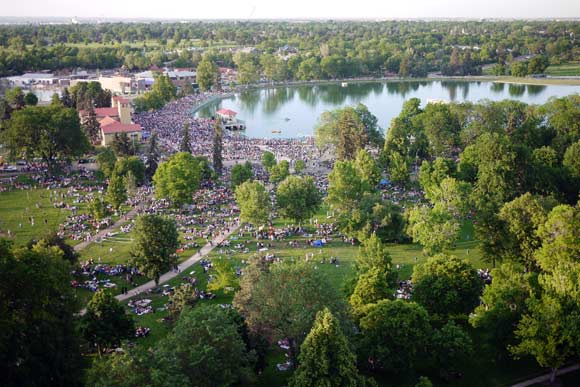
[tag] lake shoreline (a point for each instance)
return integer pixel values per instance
(571, 81)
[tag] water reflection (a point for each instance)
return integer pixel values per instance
(516, 90)
(295, 110)
(536, 89)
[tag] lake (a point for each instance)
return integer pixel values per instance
(294, 110)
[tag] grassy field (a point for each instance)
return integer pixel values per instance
(564, 70)
(18, 206)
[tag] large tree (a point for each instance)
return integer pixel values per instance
(254, 202)
(206, 74)
(218, 138)
(152, 157)
(298, 198)
(116, 191)
(39, 345)
(394, 335)
(105, 323)
(281, 301)
(241, 173)
(177, 178)
(185, 144)
(446, 286)
(156, 240)
(325, 356)
(52, 133)
(205, 348)
(91, 126)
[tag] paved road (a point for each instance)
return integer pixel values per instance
(205, 250)
(546, 377)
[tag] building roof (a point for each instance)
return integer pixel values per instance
(117, 127)
(107, 111)
(226, 112)
(107, 120)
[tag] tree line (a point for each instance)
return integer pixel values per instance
(314, 50)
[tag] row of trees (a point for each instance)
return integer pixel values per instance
(325, 49)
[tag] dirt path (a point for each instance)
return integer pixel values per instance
(205, 250)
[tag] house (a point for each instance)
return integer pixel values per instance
(115, 120)
(30, 79)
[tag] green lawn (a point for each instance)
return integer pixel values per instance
(16, 207)
(564, 70)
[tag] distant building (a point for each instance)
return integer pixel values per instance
(31, 79)
(117, 84)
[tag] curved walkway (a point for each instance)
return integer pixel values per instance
(546, 377)
(124, 219)
(205, 250)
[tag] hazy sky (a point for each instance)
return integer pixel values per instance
(336, 9)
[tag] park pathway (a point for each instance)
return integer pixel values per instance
(205, 250)
(124, 219)
(546, 377)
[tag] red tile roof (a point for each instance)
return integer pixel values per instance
(226, 112)
(107, 120)
(120, 99)
(117, 127)
(107, 111)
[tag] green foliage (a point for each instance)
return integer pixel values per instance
(254, 202)
(368, 168)
(572, 160)
(128, 369)
(446, 286)
(299, 166)
(185, 144)
(91, 125)
(206, 74)
(106, 160)
(184, 296)
(116, 191)
(154, 246)
(279, 171)
(523, 216)
(163, 91)
(98, 207)
(105, 323)
(451, 347)
(241, 173)
(218, 135)
(52, 133)
(224, 277)
(435, 229)
(502, 305)
(298, 198)
(268, 160)
(177, 178)
(122, 145)
(204, 348)
(398, 169)
(394, 335)
(133, 165)
(36, 298)
(352, 136)
(30, 99)
(373, 215)
(282, 301)
(325, 356)
(345, 187)
(52, 239)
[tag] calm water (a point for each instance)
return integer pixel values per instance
(295, 110)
